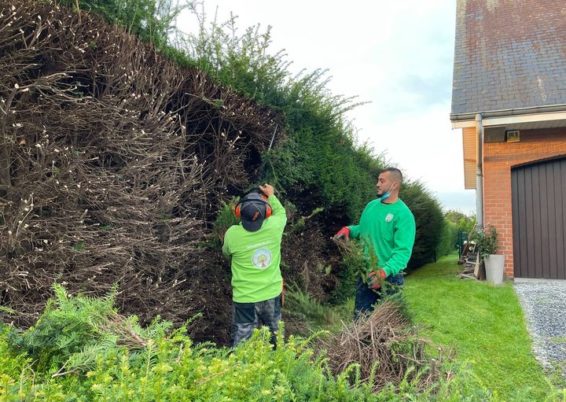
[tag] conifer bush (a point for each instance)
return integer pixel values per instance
(447, 243)
(429, 223)
(158, 363)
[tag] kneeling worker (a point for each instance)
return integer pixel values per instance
(255, 249)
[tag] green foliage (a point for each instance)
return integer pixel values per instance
(358, 260)
(354, 265)
(448, 239)
(486, 241)
(429, 220)
(151, 20)
(224, 220)
(300, 221)
(464, 223)
(172, 368)
(12, 363)
(164, 367)
(313, 315)
(457, 229)
(73, 332)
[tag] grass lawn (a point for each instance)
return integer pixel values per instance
(483, 325)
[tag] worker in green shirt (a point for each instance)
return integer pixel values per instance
(387, 230)
(255, 249)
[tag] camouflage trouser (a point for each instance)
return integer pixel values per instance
(247, 316)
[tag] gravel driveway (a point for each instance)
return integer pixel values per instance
(544, 304)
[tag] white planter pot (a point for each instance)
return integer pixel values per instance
(494, 267)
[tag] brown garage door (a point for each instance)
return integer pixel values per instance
(539, 219)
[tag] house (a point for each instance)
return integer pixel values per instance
(509, 99)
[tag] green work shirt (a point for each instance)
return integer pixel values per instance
(256, 257)
(390, 230)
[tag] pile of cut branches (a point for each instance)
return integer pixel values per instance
(384, 347)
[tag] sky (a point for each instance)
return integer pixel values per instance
(395, 55)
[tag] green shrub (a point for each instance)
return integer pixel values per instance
(463, 222)
(151, 20)
(224, 220)
(464, 225)
(352, 267)
(162, 367)
(448, 239)
(429, 220)
(486, 241)
(73, 332)
(170, 367)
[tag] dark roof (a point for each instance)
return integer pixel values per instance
(509, 54)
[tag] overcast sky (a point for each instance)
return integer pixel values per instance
(397, 55)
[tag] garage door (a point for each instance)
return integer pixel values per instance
(539, 219)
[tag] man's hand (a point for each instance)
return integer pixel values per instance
(267, 189)
(376, 279)
(343, 233)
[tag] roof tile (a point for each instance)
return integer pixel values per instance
(509, 54)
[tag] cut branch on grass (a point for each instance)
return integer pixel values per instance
(385, 347)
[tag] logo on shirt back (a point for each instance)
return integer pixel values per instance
(261, 258)
(389, 217)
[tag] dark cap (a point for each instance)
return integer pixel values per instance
(253, 209)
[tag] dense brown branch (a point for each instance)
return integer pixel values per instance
(116, 160)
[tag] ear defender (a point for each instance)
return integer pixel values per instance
(238, 210)
(268, 210)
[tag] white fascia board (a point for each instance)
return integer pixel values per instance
(463, 123)
(510, 120)
(524, 118)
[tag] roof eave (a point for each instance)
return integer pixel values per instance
(504, 116)
(454, 117)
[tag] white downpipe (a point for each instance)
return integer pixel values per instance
(479, 171)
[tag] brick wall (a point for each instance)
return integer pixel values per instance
(498, 159)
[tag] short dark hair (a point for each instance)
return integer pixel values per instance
(395, 172)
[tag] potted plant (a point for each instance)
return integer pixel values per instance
(486, 242)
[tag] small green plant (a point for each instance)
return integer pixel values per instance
(358, 260)
(301, 221)
(224, 220)
(312, 314)
(79, 246)
(486, 241)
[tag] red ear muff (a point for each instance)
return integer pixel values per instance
(267, 206)
(238, 208)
